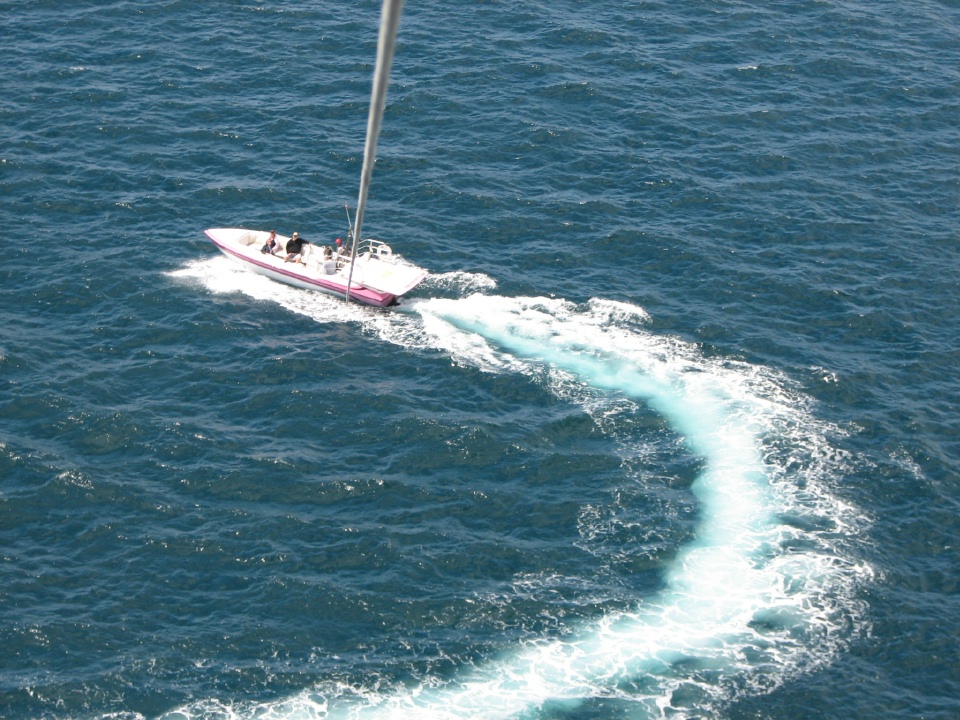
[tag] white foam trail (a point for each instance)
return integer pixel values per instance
(757, 598)
(221, 275)
(461, 282)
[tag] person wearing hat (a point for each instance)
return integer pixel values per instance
(295, 248)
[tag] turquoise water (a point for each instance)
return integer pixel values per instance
(670, 431)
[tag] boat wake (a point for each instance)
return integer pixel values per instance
(769, 589)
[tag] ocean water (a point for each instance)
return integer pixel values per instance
(671, 430)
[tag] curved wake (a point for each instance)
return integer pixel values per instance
(767, 590)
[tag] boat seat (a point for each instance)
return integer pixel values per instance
(307, 255)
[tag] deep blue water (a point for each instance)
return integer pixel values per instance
(670, 431)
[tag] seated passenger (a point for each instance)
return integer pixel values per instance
(329, 264)
(271, 246)
(295, 249)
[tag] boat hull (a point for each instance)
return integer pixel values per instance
(244, 245)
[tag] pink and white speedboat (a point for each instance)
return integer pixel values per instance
(375, 275)
(370, 273)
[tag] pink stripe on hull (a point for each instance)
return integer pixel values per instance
(360, 294)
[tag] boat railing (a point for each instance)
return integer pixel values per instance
(367, 248)
(376, 248)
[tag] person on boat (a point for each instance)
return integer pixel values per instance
(295, 248)
(342, 248)
(271, 246)
(329, 264)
